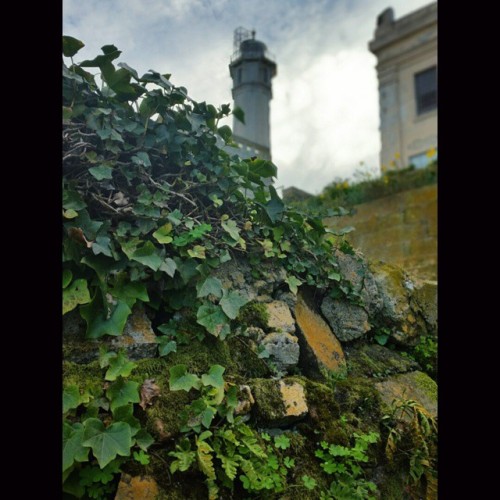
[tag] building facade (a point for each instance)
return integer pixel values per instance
(406, 51)
(252, 67)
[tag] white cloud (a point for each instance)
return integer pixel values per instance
(324, 114)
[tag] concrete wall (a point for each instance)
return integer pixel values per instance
(403, 48)
(399, 229)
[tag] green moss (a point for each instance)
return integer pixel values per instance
(426, 384)
(254, 314)
(89, 377)
(358, 395)
(268, 401)
(371, 360)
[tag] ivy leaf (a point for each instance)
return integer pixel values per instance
(71, 45)
(239, 114)
(98, 324)
(126, 414)
(101, 172)
(212, 317)
(73, 450)
(66, 277)
(214, 376)
(231, 227)
(141, 158)
(181, 380)
(70, 213)
(143, 439)
(123, 392)
(72, 200)
(197, 252)
(169, 266)
(207, 416)
(210, 286)
(263, 168)
(293, 284)
(231, 303)
(334, 276)
(148, 255)
(175, 217)
(71, 398)
(166, 346)
(225, 132)
(119, 366)
(102, 244)
(75, 294)
(162, 234)
(107, 443)
(130, 292)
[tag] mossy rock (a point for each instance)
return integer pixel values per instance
(373, 360)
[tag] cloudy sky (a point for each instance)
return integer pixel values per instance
(324, 112)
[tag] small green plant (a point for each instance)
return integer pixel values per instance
(425, 354)
(343, 464)
(100, 430)
(412, 440)
(382, 335)
(229, 451)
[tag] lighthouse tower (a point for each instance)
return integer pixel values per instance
(252, 67)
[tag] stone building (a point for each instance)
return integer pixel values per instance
(406, 51)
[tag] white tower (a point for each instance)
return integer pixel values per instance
(251, 69)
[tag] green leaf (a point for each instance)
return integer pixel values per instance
(166, 346)
(102, 244)
(126, 414)
(282, 442)
(263, 168)
(143, 439)
(230, 466)
(309, 482)
(107, 443)
(75, 294)
(274, 207)
(162, 235)
(71, 45)
(73, 200)
(239, 114)
(175, 217)
(207, 416)
(231, 303)
(197, 252)
(70, 214)
(334, 276)
(214, 376)
(71, 397)
(225, 132)
(148, 255)
(123, 392)
(211, 286)
(181, 380)
(141, 158)
(66, 277)
(98, 322)
(101, 172)
(169, 266)
(73, 450)
(119, 366)
(130, 292)
(231, 227)
(141, 457)
(212, 317)
(293, 284)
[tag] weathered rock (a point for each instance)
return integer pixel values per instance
(288, 298)
(355, 269)
(320, 350)
(280, 317)
(426, 299)
(415, 385)
(348, 321)
(138, 339)
(284, 349)
(245, 401)
(137, 488)
(279, 402)
(373, 360)
(396, 288)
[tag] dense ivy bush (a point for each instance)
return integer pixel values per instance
(155, 198)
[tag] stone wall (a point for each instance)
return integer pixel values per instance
(400, 229)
